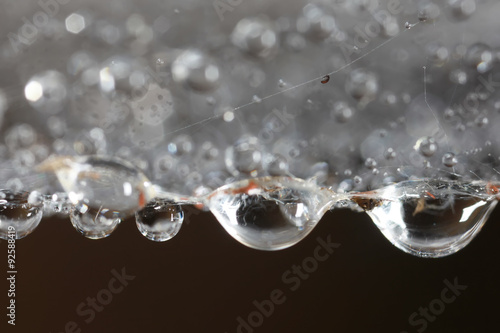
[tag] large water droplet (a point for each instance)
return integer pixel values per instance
(269, 213)
(109, 183)
(94, 222)
(18, 213)
(431, 219)
(160, 220)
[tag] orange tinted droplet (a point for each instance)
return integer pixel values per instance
(325, 79)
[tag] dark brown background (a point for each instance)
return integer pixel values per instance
(202, 280)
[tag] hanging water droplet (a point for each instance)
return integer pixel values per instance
(269, 213)
(18, 211)
(160, 220)
(325, 79)
(408, 25)
(431, 219)
(94, 222)
(109, 183)
(449, 160)
(426, 146)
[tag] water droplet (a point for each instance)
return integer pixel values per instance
(480, 56)
(17, 210)
(458, 76)
(197, 70)
(112, 184)
(160, 220)
(94, 222)
(315, 23)
(46, 92)
(431, 219)
(426, 146)
(462, 9)
(449, 160)
(362, 84)
(390, 154)
(256, 99)
(370, 163)
(325, 79)
(427, 10)
(342, 112)
(281, 83)
(245, 156)
(255, 36)
(269, 213)
(408, 25)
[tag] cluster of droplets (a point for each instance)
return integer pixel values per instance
(425, 218)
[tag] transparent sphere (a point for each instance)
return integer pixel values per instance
(431, 219)
(160, 220)
(18, 213)
(269, 213)
(92, 222)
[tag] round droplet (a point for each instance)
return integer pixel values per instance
(480, 56)
(315, 23)
(46, 92)
(197, 70)
(458, 76)
(462, 9)
(449, 160)
(94, 222)
(390, 154)
(160, 220)
(431, 219)
(342, 112)
(370, 163)
(362, 84)
(408, 25)
(325, 79)
(426, 146)
(255, 36)
(245, 156)
(19, 214)
(427, 10)
(269, 213)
